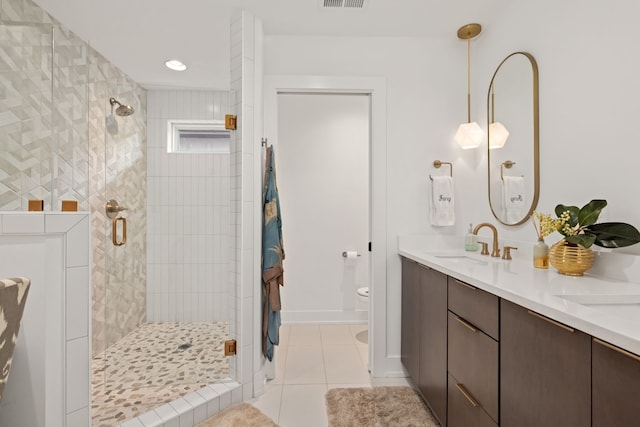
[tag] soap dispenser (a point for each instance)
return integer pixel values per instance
(471, 240)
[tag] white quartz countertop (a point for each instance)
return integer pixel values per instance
(605, 308)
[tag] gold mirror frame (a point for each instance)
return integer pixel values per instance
(536, 140)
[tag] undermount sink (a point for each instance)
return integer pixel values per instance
(599, 299)
(623, 305)
(462, 259)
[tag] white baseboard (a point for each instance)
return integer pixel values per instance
(324, 316)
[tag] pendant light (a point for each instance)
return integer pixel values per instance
(498, 134)
(469, 135)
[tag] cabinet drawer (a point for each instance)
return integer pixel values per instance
(475, 305)
(463, 410)
(473, 361)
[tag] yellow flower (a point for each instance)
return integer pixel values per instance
(547, 225)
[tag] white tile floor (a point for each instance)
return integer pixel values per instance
(311, 359)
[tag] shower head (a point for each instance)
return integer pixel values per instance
(122, 110)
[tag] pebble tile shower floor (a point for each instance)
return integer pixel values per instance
(153, 365)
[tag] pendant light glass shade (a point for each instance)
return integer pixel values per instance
(498, 135)
(469, 134)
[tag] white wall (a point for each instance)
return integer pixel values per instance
(188, 214)
(589, 93)
(245, 268)
(587, 63)
(323, 179)
(421, 123)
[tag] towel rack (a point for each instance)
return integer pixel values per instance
(438, 163)
(506, 164)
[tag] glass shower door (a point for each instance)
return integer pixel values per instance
(167, 287)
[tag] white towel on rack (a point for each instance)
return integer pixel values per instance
(442, 203)
(513, 198)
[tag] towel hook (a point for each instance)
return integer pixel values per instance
(263, 141)
(506, 164)
(438, 163)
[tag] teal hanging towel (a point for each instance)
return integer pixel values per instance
(272, 257)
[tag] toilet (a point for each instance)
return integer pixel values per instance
(363, 295)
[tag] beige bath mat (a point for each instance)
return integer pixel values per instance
(377, 407)
(242, 415)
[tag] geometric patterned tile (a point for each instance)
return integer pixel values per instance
(53, 144)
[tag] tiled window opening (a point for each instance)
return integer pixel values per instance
(205, 136)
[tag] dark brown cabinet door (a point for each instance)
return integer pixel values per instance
(464, 410)
(545, 371)
(432, 382)
(409, 336)
(615, 386)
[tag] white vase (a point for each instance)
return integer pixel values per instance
(540, 254)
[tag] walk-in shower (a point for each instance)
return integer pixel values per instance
(166, 311)
(67, 153)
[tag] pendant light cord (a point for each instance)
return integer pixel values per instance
(492, 104)
(469, 78)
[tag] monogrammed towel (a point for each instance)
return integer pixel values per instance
(442, 210)
(513, 198)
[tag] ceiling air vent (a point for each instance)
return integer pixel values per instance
(354, 4)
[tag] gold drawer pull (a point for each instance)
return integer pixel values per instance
(466, 285)
(468, 395)
(553, 322)
(619, 350)
(467, 324)
(114, 228)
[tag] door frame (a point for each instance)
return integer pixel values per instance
(380, 364)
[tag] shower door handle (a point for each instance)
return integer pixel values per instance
(114, 229)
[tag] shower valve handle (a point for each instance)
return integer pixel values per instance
(112, 208)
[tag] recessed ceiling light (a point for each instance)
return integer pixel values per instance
(174, 64)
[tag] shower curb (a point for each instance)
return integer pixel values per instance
(192, 408)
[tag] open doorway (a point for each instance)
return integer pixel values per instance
(323, 169)
(380, 362)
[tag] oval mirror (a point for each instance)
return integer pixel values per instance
(513, 140)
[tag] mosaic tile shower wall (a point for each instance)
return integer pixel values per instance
(54, 145)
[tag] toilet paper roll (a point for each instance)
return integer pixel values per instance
(350, 255)
(350, 258)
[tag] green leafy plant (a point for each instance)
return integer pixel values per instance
(579, 226)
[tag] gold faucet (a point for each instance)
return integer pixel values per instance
(496, 248)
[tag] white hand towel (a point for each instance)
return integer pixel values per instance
(442, 203)
(513, 198)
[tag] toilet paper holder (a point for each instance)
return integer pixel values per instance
(345, 254)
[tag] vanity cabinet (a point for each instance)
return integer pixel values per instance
(615, 386)
(545, 371)
(432, 379)
(480, 360)
(424, 333)
(409, 336)
(473, 351)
